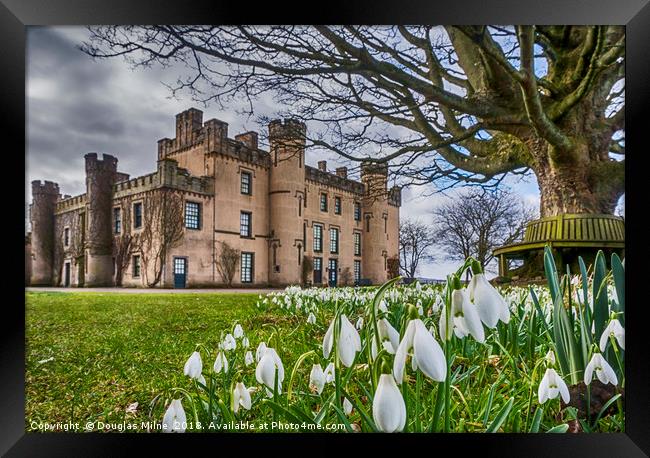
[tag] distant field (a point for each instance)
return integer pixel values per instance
(90, 355)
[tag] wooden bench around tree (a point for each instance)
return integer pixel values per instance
(570, 236)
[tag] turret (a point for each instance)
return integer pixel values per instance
(100, 178)
(44, 198)
(375, 216)
(286, 194)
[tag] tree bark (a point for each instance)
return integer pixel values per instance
(579, 186)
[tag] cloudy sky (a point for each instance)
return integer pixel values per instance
(76, 105)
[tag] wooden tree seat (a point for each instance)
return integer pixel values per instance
(582, 232)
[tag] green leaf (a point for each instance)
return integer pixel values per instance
(537, 418)
(287, 413)
(601, 309)
(488, 406)
(551, 272)
(606, 406)
(585, 291)
(618, 272)
(501, 417)
(559, 429)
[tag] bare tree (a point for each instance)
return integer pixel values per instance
(72, 221)
(453, 104)
(162, 230)
(227, 262)
(477, 222)
(415, 242)
(307, 268)
(123, 244)
(392, 265)
(346, 277)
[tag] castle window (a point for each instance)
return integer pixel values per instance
(117, 220)
(245, 224)
(357, 271)
(299, 205)
(66, 237)
(367, 223)
(337, 205)
(323, 202)
(136, 266)
(357, 211)
(192, 215)
(357, 244)
(318, 238)
(246, 183)
(247, 267)
(137, 215)
(334, 240)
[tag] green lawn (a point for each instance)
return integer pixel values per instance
(111, 350)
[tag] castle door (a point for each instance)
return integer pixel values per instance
(180, 272)
(66, 275)
(318, 271)
(333, 271)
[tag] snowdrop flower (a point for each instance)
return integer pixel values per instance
(221, 363)
(349, 342)
(239, 332)
(490, 304)
(388, 408)
(266, 368)
(329, 373)
(193, 366)
(427, 354)
(311, 319)
(550, 358)
(615, 329)
(229, 342)
(248, 358)
(388, 336)
(603, 370)
(245, 343)
(317, 379)
(241, 397)
(382, 306)
(174, 419)
(359, 324)
(347, 406)
(261, 348)
(552, 385)
(464, 319)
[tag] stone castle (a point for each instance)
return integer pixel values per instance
(217, 211)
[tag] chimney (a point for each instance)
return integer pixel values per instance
(248, 138)
(342, 172)
(322, 165)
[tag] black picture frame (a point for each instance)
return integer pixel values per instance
(16, 15)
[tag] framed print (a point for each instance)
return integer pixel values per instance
(413, 228)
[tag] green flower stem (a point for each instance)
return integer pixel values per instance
(612, 339)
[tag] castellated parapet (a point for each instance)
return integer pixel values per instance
(45, 196)
(100, 178)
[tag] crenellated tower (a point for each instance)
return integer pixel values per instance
(100, 178)
(375, 250)
(44, 198)
(286, 192)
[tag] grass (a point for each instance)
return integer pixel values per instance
(111, 350)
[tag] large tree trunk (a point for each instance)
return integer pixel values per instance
(582, 180)
(566, 188)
